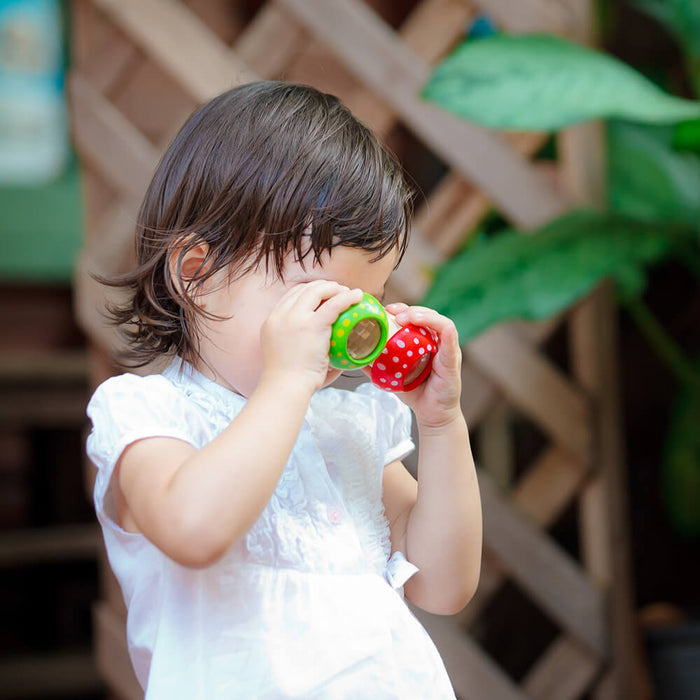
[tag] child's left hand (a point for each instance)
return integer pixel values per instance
(436, 402)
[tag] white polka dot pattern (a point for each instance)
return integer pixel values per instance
(416, 363)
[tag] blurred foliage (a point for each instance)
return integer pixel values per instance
(650, 180)
(681, 475)
(686, 136)
(536, 276)
(542, 83)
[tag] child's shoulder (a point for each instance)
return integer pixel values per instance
(129, 407)
(132, 389)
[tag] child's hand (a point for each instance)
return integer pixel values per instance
(436, 402)
(295, 338)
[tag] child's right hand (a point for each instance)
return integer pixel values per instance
(295, 338)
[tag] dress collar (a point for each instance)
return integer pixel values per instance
(182, 373)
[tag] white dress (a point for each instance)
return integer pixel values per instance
(309, 604)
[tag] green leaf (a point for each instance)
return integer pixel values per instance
(686, 136)
(541, 82)
(681, 464)
(534, 276)
(647, 179)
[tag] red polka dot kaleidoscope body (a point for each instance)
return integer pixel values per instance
(406, 360)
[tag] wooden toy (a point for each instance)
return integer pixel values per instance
(359, 334)
(365, 334)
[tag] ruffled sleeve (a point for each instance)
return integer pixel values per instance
(392, 419)
(128, 408)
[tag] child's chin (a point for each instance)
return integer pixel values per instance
(334, 374)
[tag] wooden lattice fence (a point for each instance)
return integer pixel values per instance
(141, 66)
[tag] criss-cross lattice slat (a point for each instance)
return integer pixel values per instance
(376, 56)
(563, 672)
(181, 44)
(532, 383)
(550, 576)
(529, 16)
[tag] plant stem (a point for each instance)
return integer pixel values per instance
(661, 342)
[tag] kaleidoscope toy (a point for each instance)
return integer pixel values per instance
(365, 334)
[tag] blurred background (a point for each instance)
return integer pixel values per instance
(505, 128)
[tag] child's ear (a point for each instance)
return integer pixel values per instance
(187, 262)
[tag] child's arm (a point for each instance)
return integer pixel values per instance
(194, 504)
(436, 522)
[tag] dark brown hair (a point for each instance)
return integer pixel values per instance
(251, 173)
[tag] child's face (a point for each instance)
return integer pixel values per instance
(231, 347)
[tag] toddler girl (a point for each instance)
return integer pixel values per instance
(261, 526)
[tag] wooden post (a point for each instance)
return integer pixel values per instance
(604, 513)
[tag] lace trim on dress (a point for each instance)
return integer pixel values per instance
(349, 446)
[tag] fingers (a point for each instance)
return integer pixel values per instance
(396, 308)
(329, 311)
(324, 298)
(422, 316)
(443, 327)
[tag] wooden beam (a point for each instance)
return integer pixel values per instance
(90, 301)
(271, 40)
(50, 544)
(431, 30)
(549, 486)
(41, 405)
(496, 446)
(533, 384)
(411, 279)
(528, 16)
(108, 141)
(604, 506)
(607, 498)
(82, 31)
(112, 656)
(66, 674)
(113, 251)
(97, 196)
(455, 207)
(56, 366)
(434, 27)
(481, 392)
(102, 53)
(564, 672)
(550, 576)
(181, 44)
(373, 52)
(440, 226)
(472, 673)
(546, 488)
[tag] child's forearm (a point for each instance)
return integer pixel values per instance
(216, 493)
(444, 529)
